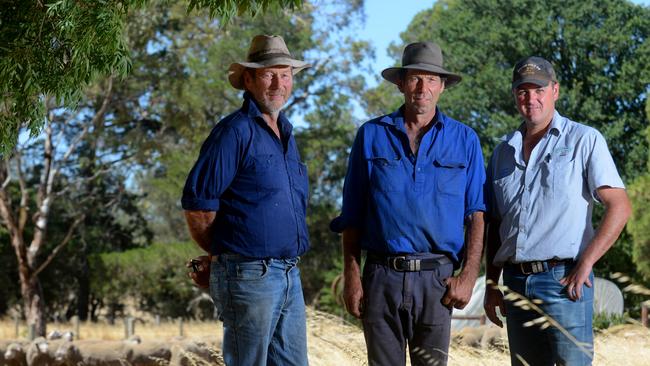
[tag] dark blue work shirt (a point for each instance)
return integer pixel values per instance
(404, 203)
(257, 184)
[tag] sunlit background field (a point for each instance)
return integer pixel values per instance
(334, 342)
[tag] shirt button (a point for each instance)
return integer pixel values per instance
(276, 204)
(419, 169)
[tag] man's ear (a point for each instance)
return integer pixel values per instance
(248, 78)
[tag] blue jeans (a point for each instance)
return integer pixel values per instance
(403, 309)
(262, 308)
(549, 346)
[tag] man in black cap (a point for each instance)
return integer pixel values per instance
(415, 178)
(245, 201)
(543, 181)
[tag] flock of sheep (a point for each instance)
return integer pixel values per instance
(63, 351)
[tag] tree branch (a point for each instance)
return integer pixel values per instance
(57, 249)
(23, 207)
(100, 114)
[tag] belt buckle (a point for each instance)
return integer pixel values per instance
(413, 264)
(393, 263)
(535, 267)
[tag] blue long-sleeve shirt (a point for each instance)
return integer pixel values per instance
(256, 182)
(404, 203)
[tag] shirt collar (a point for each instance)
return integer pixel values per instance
(397, 119)
(252, 110)
(558, 123)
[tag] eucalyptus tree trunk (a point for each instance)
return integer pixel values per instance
(31, 257)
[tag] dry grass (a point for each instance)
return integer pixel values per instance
(334, 342)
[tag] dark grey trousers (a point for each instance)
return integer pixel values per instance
(404, 309)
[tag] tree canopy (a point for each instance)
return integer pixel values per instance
(56, 48)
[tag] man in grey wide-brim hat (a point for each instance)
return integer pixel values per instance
(415, 178)
(245, 201)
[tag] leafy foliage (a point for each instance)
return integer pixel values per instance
(153, 276)
(56, 48)
(639, 225)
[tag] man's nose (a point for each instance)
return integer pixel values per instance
(275, 82)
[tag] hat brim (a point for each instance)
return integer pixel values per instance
(236, 69)
(539, 82)
(392, 74)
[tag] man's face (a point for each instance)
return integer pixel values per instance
(536, 104)
(421, 90)
(270, 86)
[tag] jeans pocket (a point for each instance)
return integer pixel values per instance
(433, 311)
(251, 271)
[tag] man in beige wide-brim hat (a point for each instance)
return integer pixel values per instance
(245, 201)
(415, 179)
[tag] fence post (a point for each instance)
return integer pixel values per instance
(180, 327)
(17, 325)
(644, 314)
(129, 327)
(75, 325)
(157, 320)
(31, 331)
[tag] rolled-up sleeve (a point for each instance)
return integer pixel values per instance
(474, 189)
(213, 171)
(355, 189)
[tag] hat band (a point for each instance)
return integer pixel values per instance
(266, 56)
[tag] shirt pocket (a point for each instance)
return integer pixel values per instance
(507, 191)
(564, 182)
(269, 172)
(300, 182)
(451, 176)
(385, 174)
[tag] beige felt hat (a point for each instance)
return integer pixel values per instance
(265, 51)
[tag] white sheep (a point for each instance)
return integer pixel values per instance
(14, 354)
(40, 352)
(93, 353)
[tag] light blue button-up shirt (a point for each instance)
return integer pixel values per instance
(545, 205)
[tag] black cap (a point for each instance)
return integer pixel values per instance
(534, 70)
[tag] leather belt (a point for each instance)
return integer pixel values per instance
(534, 267)
(401, 263)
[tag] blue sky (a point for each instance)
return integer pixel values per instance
(386, 19)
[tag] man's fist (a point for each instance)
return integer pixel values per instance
(200, 273)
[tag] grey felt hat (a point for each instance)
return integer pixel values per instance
(425, 56)
(265, 51)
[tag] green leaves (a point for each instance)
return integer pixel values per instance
(57, 48)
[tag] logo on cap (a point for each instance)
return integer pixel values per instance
(529, 69)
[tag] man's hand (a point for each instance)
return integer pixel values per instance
(493, 298)
(200, 273)
(578, 276)
(459, 291)
(353, 295)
